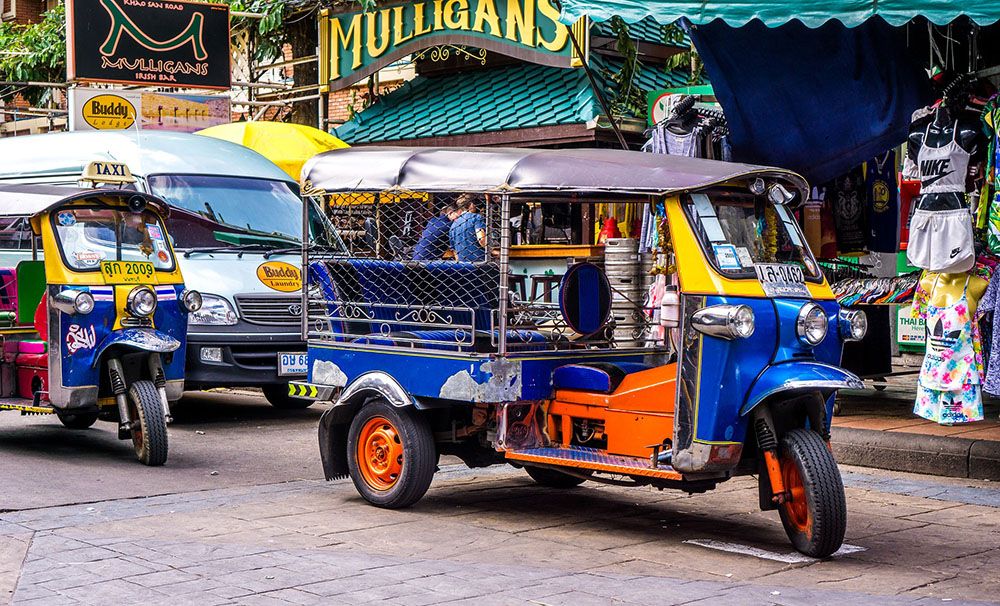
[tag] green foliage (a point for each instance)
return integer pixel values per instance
(629, 99)
(34, 53)
(688, 61)
(269, 30)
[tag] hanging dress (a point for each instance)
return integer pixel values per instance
(948, 390)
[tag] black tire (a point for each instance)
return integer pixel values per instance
(815, 519)
(407, 438)
(149, 427)
(277, 396)
(550, 478)
(77, 420)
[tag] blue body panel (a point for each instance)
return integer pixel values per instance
(83, 338)
(732, 371)
(797, 375)
(464, 378)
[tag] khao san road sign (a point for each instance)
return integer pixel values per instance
(355, 45)
(148, 42)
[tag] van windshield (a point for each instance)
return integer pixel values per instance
(739, 231)
(263, 210)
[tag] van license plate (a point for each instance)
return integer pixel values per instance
(128, 272)
(781, 280)
(292, 364)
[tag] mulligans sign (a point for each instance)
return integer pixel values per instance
(148, 42)
(356, 45)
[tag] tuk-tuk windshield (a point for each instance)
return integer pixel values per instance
(88, 236)
(738, 231)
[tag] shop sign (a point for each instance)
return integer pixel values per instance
(148, 42)
(102, 109)
(280, 276)
(355, 45)
(909, 331)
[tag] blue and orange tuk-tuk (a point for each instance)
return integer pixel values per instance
(94, 311)
(734, 372)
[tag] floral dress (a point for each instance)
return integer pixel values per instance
(948, 390)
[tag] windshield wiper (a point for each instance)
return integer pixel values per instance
(236, 248)
(281, 251)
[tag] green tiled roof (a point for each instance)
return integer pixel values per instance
(512, 97)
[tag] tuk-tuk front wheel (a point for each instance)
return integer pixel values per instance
(391, 454)
(149, 426)
(815, 515)
(77, 420)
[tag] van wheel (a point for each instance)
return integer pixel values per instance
(277, 396)
(551, 478)
(391, 454)
(149, 427)
(815, 517)
(77, 420)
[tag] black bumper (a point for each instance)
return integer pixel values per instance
(247, 360)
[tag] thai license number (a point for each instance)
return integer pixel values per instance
(782, 280)
(292, 364)
(127, 272)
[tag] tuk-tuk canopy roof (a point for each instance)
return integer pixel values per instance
(31, 200)
(493, 169)
(812, 13)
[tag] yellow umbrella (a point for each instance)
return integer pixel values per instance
(287, 145)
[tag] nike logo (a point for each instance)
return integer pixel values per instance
(954, 252)
(934, 179)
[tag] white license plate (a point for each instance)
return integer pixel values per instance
(292, 364)
(782, 280)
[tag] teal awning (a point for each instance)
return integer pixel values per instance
(813, 13)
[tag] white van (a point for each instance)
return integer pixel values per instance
(236, 221)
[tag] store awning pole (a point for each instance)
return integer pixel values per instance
(597, 90)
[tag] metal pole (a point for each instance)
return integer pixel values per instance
(306, 201)
(504, 269)
(598, 92)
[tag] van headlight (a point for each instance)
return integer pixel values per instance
(215, 311)
(853, 324)
(141, 302)
(191, 299)
(724, 321)
(811, 324)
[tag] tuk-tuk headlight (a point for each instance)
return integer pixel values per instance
(74, 302)
(191, 299)
(724, 321)
(141, 302)
(853, 324)
(812, 324)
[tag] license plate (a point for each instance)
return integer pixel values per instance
(782, 280)
(128, 272)
(292, 364)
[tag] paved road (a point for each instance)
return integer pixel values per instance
(479, 537)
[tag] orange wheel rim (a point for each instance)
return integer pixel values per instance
(380, 453)
(797, 507)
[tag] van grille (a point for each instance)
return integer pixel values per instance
(270, 311)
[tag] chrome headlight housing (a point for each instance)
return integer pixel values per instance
(191, 299)
(74, 302)
(853, 324)
(724, 321)
(214, 311)
(811, 324)
(141, 302)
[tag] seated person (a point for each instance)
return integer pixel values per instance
(433, 243)
(468, 231)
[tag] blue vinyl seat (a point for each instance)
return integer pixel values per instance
(601, 377)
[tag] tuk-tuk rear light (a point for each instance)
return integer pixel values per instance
(141, 301)
(811, 324)
(853, 324)
(192, 300)
(724, 321)
(74, 302)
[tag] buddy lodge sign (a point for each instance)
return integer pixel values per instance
(355, 45)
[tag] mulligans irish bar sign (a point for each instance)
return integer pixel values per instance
(355, 45)
(148, 42)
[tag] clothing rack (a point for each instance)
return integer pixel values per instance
(898, 290)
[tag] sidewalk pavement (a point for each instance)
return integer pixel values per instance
(878, 429)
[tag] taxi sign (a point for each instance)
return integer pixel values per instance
(107, 172)
(128, 272)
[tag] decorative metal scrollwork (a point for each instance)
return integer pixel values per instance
(443, 52)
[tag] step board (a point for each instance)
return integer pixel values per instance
(25, 406)
(592, 458)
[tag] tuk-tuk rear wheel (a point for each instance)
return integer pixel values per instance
(391, 454)
(149, 426)
(77, 420)
(815, 515)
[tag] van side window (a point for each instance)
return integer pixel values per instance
(15, 233)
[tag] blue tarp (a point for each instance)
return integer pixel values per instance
(816, 101)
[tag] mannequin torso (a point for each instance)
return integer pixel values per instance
(946, 289)
(940, 133)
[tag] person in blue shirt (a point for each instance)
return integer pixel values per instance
(468, 231)
(433, 242)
